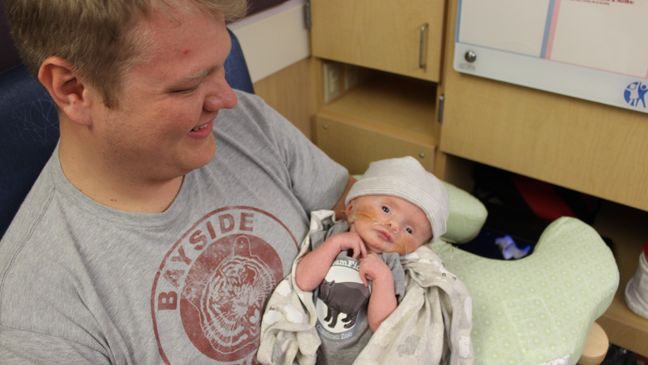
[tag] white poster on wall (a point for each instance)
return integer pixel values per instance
(590, 49)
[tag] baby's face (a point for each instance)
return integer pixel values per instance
(388, 224)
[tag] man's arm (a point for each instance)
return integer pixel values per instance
(24, 347)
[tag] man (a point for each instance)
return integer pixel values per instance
(140, 243)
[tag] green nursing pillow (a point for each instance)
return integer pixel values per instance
(466, 215)
(539, 309)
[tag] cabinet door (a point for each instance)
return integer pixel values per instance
(355, 147)
(402, 37)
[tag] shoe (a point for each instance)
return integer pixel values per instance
(636, 292)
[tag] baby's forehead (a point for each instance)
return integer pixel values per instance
(392, 200)
(387, 197)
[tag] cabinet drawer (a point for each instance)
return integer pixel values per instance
(402, 37)
(355, 147)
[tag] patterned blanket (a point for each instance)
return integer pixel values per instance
(431, 325)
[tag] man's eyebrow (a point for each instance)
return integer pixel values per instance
(197, 75)
(200, 74)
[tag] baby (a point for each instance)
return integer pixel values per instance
(354, 267)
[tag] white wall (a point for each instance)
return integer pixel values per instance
(273, 39)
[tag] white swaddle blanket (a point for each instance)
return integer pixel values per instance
(431, 325)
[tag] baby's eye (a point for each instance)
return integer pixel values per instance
(409, 230)
(385, 209)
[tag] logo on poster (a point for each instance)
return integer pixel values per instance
(635, 94)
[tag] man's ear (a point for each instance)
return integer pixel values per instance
(68, 90)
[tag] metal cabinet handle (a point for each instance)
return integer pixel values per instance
(423, 41)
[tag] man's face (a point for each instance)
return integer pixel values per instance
(161, 127)
(388, 224)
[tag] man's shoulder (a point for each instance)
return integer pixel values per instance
(250, 113)
(253, 109)
(30, 237)
(36, 227)
(32, 259)
(247, 97)
(249, 102)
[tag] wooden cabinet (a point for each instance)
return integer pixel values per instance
(382, 118)
(393, 112)
(401, 37)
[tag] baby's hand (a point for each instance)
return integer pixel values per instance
(373, 268)
(350, 241)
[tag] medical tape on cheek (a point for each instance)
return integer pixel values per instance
(366, 214)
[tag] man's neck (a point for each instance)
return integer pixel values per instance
(115, 188)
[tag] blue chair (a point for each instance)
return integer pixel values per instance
(29, 122)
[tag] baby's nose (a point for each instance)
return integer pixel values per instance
(394, 227)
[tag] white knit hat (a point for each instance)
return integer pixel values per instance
(406, 178)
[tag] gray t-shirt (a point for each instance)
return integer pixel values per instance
(81, 283)
(341, 302)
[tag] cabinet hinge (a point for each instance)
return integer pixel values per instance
(440, 105)
(307, 14)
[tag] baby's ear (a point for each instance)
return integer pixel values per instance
(431, 235)
(348, 210)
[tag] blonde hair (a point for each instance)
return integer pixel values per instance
(95, 36)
